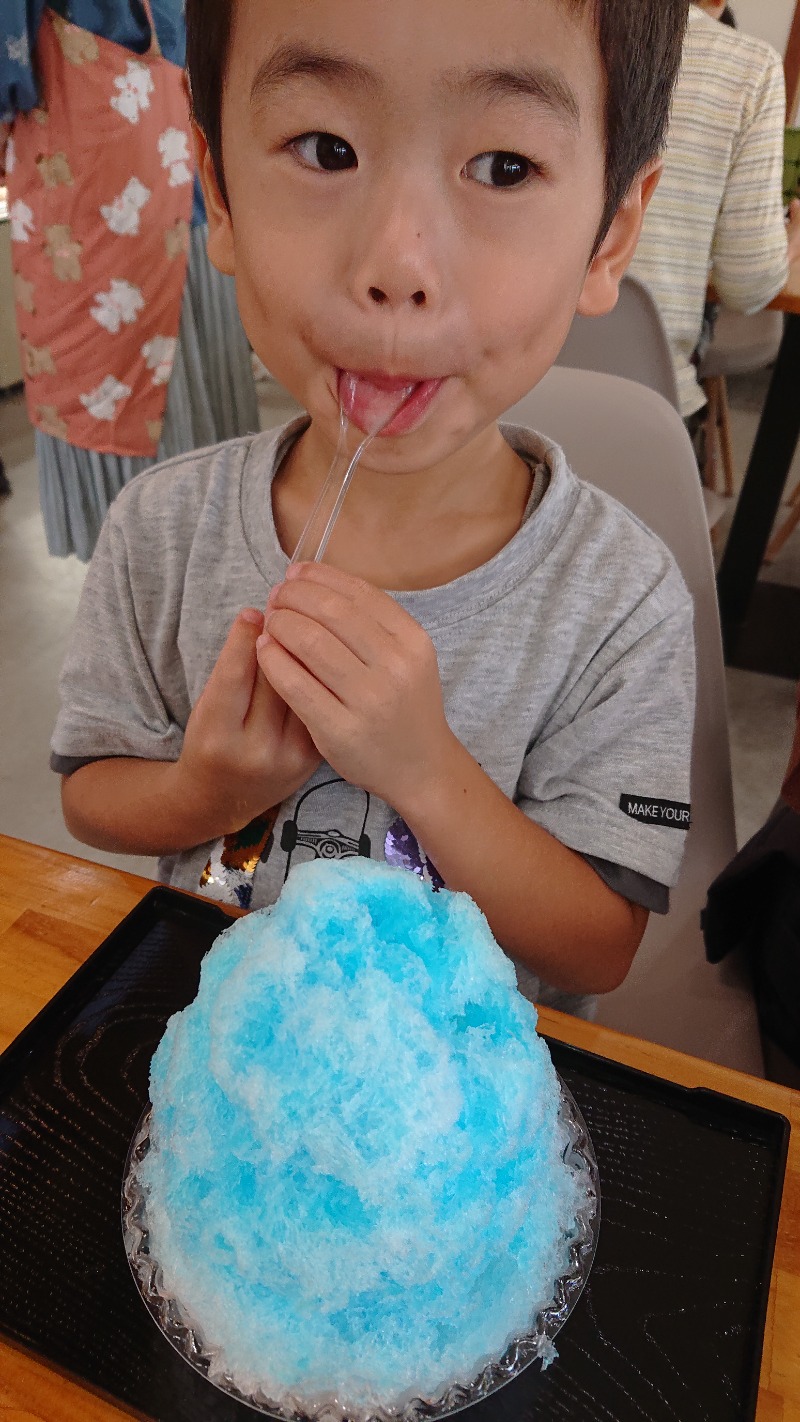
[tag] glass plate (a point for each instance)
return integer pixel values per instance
(188, 1340)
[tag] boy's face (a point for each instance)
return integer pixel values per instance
(415, 189)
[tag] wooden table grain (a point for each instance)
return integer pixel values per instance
(55, 910)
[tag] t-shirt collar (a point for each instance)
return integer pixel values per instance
(541, 527)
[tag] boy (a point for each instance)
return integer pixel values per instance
(490, 679)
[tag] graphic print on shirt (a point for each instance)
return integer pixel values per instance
(18, 51)
(77, 46)
(230, 871)
(37, 360)
(134, 89)
(159, 357)
(55, 171)
(122, 215)
(306, 834)
(402, 850)
(21, 217)
(676, 814)
(309, 833)
(176, 239)
(51, 422)
(118, 306)
(173, 145)
(64, 252)
(102, 402)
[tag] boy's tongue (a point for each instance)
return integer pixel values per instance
(371, 400)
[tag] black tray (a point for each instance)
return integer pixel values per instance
(670, 1326)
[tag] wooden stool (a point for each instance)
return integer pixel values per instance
(717, 435)
(741, 344)
(786, 529)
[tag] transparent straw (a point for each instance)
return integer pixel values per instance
(314, 539)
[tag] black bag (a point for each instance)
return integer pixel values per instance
(754, 905)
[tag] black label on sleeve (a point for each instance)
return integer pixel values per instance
(673, 814)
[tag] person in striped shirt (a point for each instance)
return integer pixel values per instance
(717, 213)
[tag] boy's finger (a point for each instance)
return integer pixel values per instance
(267, 709)
(311, 702)
(325, 655)
(325, 575)
(231, 681)
(354, 609)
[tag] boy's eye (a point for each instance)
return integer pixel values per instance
(500, 170)
(325, 151)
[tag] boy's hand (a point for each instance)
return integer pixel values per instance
(361, 675)
(244, 750)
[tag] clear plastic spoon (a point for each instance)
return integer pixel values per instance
(314, 539)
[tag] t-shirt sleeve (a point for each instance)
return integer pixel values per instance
(111, 702)
(749, 258)
(637, 888)
(610, 775)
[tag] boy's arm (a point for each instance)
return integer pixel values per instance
(127, 806)
(243, 751)
(750, 256)
(363, 677)
(544, 903)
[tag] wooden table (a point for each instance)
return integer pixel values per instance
(55, 910)
(767, 471)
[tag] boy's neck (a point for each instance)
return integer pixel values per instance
(407, 532)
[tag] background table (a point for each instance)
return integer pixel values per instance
(761, 621)
(55, 910)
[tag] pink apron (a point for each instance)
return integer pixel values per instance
(100, 196)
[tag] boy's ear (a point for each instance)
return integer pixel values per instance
(610, 261)
(220, 230)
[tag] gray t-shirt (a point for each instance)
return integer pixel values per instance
(566, 662)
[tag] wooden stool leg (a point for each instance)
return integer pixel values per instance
(785, 530)
(708, 473)
(726, 445)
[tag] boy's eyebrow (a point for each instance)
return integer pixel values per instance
(293, 59)
(540, 82)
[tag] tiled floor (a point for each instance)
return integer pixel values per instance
(38, 595)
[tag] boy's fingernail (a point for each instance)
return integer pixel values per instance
(263, 640)
(251, 615)
(294, 570)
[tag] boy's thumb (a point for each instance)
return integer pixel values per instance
(235, 669)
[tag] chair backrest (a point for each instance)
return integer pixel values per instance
(627, 440)
(630, 341)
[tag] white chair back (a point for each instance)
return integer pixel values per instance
(627, 440)
(629, 341)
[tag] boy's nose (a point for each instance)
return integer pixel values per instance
(396, 275)
(417, 298)
(397, 244)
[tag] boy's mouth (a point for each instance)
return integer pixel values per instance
(368, 398)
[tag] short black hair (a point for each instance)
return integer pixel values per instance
(640, 42)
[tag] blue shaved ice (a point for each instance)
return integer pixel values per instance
(355, 1185)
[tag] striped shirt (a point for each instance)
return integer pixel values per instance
(718, 211)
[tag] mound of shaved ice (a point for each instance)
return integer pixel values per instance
(355, 1185)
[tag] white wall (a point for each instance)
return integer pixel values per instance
(768, 19)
